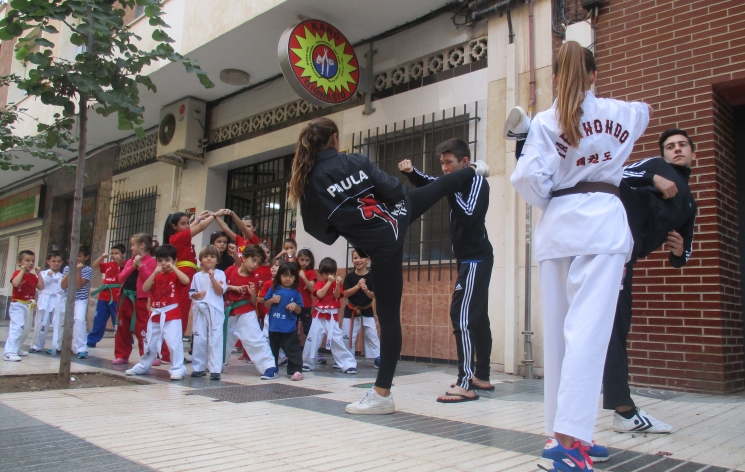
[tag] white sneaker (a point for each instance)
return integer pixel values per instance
(177, 377)
(372, 404)
(10, 357)
(188, 359)
(132, 372)
(641, 422)
(517, 125)
(22, 353)
(481, 168)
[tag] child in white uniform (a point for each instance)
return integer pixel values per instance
(50, 304)
(207, 289)
(570, 168)
(328, 291)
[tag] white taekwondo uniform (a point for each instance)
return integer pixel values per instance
(582, 242)
(209, 316)
(51, 303)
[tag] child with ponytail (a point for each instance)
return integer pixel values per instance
(132, 310)
(178, 232)
(570, 168)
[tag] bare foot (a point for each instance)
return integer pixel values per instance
(476, 382)
(461, 392)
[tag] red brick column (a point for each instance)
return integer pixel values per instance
(687, 328)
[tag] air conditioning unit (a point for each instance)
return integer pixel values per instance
(181, 132)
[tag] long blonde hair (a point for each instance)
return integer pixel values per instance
(313, 137)
(572, 67)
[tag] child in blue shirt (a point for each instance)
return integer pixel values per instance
(284, 303)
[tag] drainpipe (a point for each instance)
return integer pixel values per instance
(528, 333)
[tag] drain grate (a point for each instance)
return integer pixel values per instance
(256, 393)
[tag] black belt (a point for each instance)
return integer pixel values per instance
(588, 187)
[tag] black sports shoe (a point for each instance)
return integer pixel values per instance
(215, 376)
(200, 373)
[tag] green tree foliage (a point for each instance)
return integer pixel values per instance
(109, 72)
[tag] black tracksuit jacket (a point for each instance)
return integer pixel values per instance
(468, 208)
(650, 216)
(351, 196)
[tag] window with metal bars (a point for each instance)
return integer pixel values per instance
(261, 190)
(427, 240)
(132, 213)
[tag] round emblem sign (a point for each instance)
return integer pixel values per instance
(319, 63)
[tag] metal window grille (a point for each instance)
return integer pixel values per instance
(132, 213)
(4, 247)
(428, 239)
(261, 190)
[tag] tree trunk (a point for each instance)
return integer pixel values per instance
(63, 377)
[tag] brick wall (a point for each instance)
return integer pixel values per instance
(687, 330)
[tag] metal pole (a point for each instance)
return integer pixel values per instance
(528, 362)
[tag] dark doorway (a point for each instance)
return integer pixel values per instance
(739, 130)
(260, 190)
(61, 229)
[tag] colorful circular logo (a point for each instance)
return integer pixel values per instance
(319, 63)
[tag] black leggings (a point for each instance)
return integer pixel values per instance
(387, 270)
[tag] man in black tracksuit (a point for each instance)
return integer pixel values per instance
(475, 258)
(660, 210)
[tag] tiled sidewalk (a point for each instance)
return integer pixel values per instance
(243, 423)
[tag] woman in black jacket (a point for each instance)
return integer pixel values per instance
(345, 195)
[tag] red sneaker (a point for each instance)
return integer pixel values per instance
(119, 361)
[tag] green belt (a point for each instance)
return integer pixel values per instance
(132, 296)
(228, 309)
(108, 287)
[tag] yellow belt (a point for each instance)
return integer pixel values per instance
(187, 264)
(30, 303)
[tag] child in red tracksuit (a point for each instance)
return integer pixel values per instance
(178, 233)
(25, 281)
(132, 311)
(328, 291)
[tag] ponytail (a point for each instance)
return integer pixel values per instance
(168, 230)
(572, 67)
(313, 137)
(147, 240)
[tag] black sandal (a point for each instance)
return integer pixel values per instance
(461, 398)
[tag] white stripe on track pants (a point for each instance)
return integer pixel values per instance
(579, 296)
(207, 334)
(246, 328)
(330, 328)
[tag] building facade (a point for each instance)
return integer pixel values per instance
(432, 80)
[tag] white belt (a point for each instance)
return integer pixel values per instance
(162, 312)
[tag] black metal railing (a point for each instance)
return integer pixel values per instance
(427, 242)
(260, 190)
(132, 213)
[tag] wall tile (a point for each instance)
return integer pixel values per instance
(441, 310)
(408, 333)
(424, 310)
(423, 341)
(441, 339)
(408, 309)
